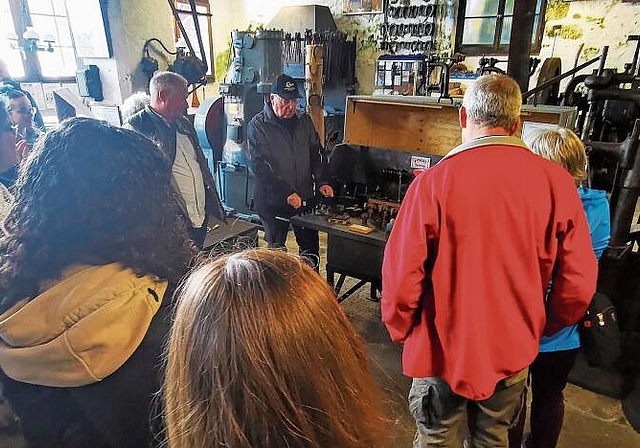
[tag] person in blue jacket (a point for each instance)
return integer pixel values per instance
(550, 369)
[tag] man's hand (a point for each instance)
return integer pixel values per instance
(294, 200)
(326, 191)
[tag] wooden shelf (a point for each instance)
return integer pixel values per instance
(421, 124)
(414, 124)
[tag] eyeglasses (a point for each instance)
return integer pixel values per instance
(25, 110)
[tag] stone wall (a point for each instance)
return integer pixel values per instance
(590, 23)
(586, 26)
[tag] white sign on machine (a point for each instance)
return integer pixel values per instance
(420, 163)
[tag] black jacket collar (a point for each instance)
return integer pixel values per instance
(157, 118)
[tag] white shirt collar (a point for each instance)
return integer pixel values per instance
(489, 140)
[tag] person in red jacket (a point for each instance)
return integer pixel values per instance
(466, 268)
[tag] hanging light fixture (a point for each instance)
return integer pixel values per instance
(30, 41)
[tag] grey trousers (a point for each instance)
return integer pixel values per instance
(440, 413)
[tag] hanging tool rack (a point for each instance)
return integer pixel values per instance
(408, 27)
(339, 53)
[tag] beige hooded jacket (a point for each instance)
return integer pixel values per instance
(81, 329)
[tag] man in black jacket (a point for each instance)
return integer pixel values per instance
(164, 122)
(287, 160)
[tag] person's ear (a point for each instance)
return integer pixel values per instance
(462, 117)
(515, 127)
(163, 95)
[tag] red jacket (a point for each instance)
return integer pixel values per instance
(470, 256)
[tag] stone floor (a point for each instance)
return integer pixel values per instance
(591, 420)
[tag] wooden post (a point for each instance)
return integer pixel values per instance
(313, 87)
(520, 43)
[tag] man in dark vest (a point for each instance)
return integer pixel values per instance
(164, 122)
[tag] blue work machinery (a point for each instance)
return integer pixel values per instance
(257, 58)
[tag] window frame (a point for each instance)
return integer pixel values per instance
(496, 48)
(203, 3)
(30, 61)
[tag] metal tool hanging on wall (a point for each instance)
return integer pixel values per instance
(408, 27)
(339, 52)
(411, 12)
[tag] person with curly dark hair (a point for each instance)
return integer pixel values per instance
(92, 245)
(8, 155)
(8, 163)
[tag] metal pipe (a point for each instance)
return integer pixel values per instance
(603, 59)
(555, 79)
(196, 22)
(586, 129)
(634, 62)
(247, 173)
(181, 26)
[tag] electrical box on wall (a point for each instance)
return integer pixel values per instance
(89, 84)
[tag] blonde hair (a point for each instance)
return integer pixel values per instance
(261, 354)
(493, 101)
(563, 147)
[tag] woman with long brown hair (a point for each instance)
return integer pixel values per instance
(262, 355)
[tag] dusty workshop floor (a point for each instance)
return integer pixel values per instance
(591, 420)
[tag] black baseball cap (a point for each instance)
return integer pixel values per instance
(286, 87)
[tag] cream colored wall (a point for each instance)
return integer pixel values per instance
(131, 23)
(593, 24)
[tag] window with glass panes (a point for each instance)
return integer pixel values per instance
(204, 20)
(484, 26)
(46, 17)
(11, 57)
